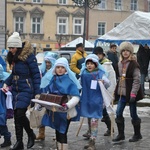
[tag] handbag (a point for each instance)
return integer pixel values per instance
(58, 99)
(36, 116)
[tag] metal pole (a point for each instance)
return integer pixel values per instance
(5, 24)
(85, 11)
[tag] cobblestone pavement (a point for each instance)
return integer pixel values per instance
(78, 142)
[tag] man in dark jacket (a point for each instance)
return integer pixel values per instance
(143, 58)
(112, 55)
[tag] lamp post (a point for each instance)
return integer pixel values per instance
(5, 24)
(86, 4)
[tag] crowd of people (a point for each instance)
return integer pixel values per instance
(83, 82)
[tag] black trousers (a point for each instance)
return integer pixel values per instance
(105, 114)
(60, 137)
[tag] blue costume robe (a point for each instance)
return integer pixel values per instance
(2, 106)
(61, 85)
(91, 99)
(3, 63)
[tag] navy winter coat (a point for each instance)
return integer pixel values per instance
(25, 80)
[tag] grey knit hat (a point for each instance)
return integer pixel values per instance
(126, 46)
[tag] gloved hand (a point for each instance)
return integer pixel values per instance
(37, 96)
(64, 107)
(5, 88)
(132, 98)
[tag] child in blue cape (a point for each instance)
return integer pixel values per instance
(91, 98)
(3, 120)
(63, 82)
(45, 69)
(48, 63)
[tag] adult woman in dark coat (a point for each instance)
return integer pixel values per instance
(25, 82)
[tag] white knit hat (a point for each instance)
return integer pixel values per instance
(14, 40)
(92, 57)
(61, 62)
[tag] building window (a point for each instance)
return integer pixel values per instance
(19, 15)
(62, 25)
(19, 22)
(102, 5)
(62, 2)
(116, 24)
(36, 25)
(118, 5)
(78, 2)
(47, 45)
(133, 4)
(36, 1)
(101, 28)
(78, 26)
(19, 0)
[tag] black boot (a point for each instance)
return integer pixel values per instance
(18, 146)
(108, 124)
(120, 125)
(19, 134)
(29, 131)
(137, 134)
(31, 138)
(7, 136)
(6, 143)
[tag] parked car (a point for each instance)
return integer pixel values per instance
(67, 54)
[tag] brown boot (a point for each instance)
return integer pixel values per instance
(90, 145)
(41, 135)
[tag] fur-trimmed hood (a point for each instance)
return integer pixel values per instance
(27, 50)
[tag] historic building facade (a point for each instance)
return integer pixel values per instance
(2, 24)
(48, 24)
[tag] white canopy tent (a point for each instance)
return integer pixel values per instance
(135, 29)
(73, 44)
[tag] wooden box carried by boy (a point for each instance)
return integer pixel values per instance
(58, 99)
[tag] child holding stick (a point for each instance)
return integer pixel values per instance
(91, 98)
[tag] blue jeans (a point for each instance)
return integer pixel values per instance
(4, 131)
(133, 110)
